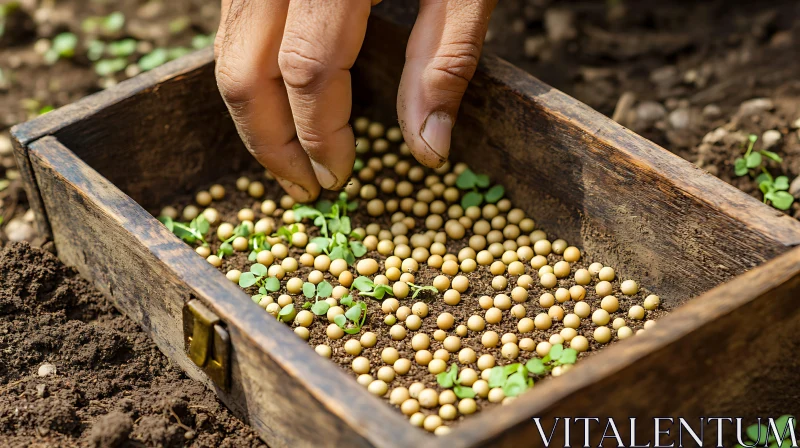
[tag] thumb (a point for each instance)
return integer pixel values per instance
(441, 57)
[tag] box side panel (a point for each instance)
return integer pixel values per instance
(31, 188)
(279, 383)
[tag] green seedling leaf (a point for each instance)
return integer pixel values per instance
(482, 181)
(471, 199)
(167, 221)
(497, 377)
(340, 320)
(122, 48)
(556, 351)
(379, 292)
(272, 284)
(321, 242)
(753, 160)
(495, 194)
(309, 290)
(320, 308)
(782, 200)
(225, 249)
(346, 300)
(359, 250)
(258, 269)
(247, 279)
(740, 167)
(467, 180)
(536, 366)
(286, 313)
(363, 284)
(257, 298)
(781, 183)
(113, 22)
(344, 225)
(568, 356)
(155, 58)
(516, 384)
(463, 391)
(201, 41)
(771, 155)
(754, 434)
(324, 289)
(447, 379)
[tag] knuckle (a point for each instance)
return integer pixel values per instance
(457, 61)
(299, 65)
(235, 81)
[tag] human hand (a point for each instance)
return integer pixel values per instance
(283, 70)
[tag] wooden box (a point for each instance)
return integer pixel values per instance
(93, 168)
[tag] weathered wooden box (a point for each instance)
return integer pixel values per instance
(94, 167)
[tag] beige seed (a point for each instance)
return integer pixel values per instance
(610, 304)
(445, 321)
(582, 309)
(525, 325)
(607, 274)
(602, 335)
(651, 302)
(490, 339)
(543, 321)
(579, 343)
(572, 321)
(518, 311)
(600, 317)
(603, 288)
(368, 339)
(397, 332)
(323, 350)
(543, 348)
(493, 315)
(451, 297)
(624, 332)
(510, 350)
(629, 287)
(548, 280)
(360, 365)
(367, 266)
(636, 312)
(452, 344)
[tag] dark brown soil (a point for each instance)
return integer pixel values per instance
(111, 386)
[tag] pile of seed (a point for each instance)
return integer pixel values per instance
(503, 292)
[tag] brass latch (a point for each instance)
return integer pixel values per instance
(207, 342)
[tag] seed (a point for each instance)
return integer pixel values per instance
(334, 332)
(399, 395)
(496, 395)
(538, 262)
(649, 324)
(323, 350)
(442, 354)
(603, 288)
(556, 313)
(367, 266)
(445, 321)
(556, 339)
(502, 302)
(203, 251)
(255, 189)
(543, 348)
(302, 332)
(518, 311)
(402, 366)
(624, 332)
(368, 339)
(510, 350)
(618, 323)
(606, 274)
(304, 318)
(295, 285)
(559, 246)
(548, 280)
(413, 322)
(525, 325)
(276, 271)
(437, 366)
(451, 297)
(352, 346)
(428, 398)
(582, 309)
(378, 387)
(572, 254)
(433, 423)
(542, 247)
(572, 321)
(561, 269)
(602, 335)
(577, 293)
(397, 332)
(651, 302)
(600, 317)
(360, 365)
(403, 312)
(543, 321)
(499, 283)
(490, 339)
(242, 183)
(519, 294)
(610, 304)
(579, 343)
(636, 312)
(547, 300)
(214, 261)
(493, 315)
(400, 290)
(233, 275)
(629, 287)
(568, 333)
(452, 344)
(409, 407)
(562, 295)
(289, 264)
(386, 374)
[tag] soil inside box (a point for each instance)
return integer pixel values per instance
(111, 385)
(480, 284)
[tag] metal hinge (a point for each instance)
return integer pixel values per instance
(207, 342)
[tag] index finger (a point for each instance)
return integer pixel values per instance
(320, 44)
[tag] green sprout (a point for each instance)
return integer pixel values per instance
(121, 48)
(257, 272)
(366, 287)
(449, 380)
(109, 25)
(356, 314)
(108, 67)
(201, 41)
(321, 291)
(419, 289)
(226, 248)
(558, 356)
(155, 58)
(287, 313)
(513, 379)
(286, 232)
(62, 47)
(775, 190)
(759, 434)
(474, 184)
(191, 232)
(268, 285)
(338, 239)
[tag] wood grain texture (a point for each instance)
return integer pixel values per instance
(729, 352)
(290, 394)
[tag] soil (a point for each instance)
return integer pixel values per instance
(110, 386)
(480, 285)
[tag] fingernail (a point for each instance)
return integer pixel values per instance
(324, 175)
(299, 193)
(436, 131)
